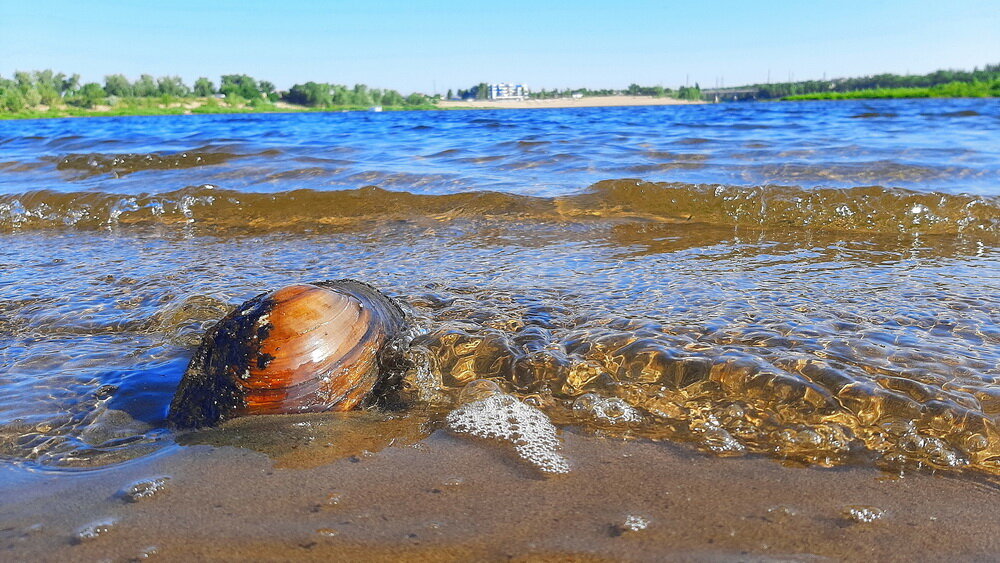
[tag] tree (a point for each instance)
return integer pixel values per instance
(49, 95)
(361, 96)
(32, 97)
(203, 87)
(266, 87)
(688, 93)
(118, 85)
(24, 80)
(70, 84)
(46, 80)
(12, 100)
(416, 99)
(145, 87)
(172, 86)
(312, 94)
(90, 95)
(240, 85)
(392, 98)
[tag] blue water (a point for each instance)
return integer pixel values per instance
(942, 145)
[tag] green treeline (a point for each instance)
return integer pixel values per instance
(322, 95)
(48, 93)
(917, 85)
(949, 90)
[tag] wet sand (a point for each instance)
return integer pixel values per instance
(586, 102)
(449, 498)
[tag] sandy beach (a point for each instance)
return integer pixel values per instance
(587, 102)
(448, 498)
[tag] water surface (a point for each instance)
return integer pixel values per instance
(816, 282)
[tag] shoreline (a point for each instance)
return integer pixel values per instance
(203, 107)
(284, 107)
(447, 498)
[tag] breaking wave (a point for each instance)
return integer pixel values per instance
(871, 209)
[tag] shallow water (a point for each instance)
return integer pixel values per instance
(816, 282)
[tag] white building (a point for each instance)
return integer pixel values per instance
(508, 91)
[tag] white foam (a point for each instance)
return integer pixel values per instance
(503, 417)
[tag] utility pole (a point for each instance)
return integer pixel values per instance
(768, 76)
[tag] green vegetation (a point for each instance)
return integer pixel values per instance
(322, 95)
(478, 92)
(689, 93)
(940, 83)
(949, 90)
(47, 94)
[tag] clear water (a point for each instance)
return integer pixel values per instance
(818, 282)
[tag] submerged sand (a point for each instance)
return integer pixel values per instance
(586, 102)
(450, 498)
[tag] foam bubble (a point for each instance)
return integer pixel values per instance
(606, 409)
(93, 530)
(863, 514)
(502, 417)
(144, 489)
(631, 524)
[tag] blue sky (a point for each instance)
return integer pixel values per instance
(420, 46)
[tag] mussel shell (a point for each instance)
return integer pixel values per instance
(325, 346)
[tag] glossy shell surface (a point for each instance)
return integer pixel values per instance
(302, 348)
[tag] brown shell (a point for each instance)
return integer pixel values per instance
(324, 346)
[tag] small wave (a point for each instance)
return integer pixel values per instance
(870, 209)
(874, 114)
(964, 113)
(127, 163)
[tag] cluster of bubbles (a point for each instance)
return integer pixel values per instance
(500, 416)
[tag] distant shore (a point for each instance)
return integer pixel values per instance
(584, 102)
(203, 105)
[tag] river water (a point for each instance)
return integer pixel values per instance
(814, 282)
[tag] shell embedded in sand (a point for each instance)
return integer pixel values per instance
(302, 348)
